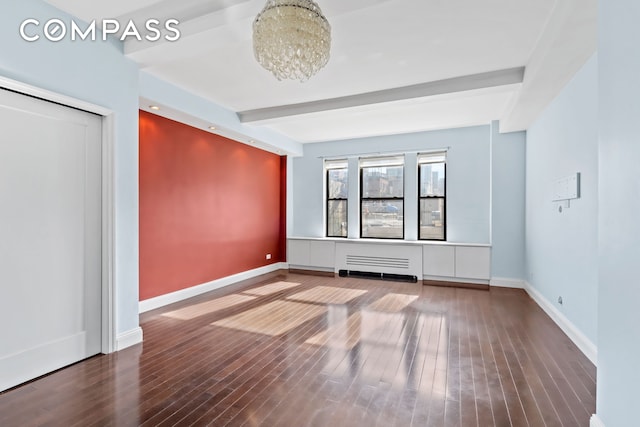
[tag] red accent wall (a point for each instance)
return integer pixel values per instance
(210, 207)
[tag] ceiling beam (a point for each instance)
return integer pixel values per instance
(200, 19)
(195, 18)
(567, 42)
(457, 84)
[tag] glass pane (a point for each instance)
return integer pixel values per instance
(384, 181)
(338, 183)
(432, 179)
(383, 219)
(337, 218)
(432, 219)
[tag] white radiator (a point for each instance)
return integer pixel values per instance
(379, 258)
(356, 261)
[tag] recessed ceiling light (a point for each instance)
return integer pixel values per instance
(154, 107)
(212, 127)
(251, 141)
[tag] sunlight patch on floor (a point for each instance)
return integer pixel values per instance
(271, 288)
(328, 295)
(392, 303)
(274, 318)
(193, 311)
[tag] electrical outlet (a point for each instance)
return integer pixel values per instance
(268, 256)
(560, 300)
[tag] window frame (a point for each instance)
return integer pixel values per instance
(329, 199)
(362, 198)
(444, 197)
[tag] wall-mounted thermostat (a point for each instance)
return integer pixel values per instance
(567, 188)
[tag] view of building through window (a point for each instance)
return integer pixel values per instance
(431, 175)
(382, 198)
(337, 198)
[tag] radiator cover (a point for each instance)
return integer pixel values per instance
(398, 259)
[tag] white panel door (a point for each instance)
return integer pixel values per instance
(50, 237)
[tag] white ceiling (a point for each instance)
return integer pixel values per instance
(380, 47)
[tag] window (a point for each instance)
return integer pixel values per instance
(432, 201)
(382, 197)
(337, 192)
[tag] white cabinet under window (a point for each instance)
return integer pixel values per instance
(439, 260)
(456, 262)
(311, 254)
(322, 254)
(298, 252)
(432, 261)
(473, 262)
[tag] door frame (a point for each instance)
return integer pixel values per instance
(108, 321)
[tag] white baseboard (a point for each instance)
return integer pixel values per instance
(579, 339)
(455, 280)
(162, 300)
(129, 338)
(308, 268)
(506, 282)
(596, 421)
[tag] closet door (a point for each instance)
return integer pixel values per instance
(50, 237)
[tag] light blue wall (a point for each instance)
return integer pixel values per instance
(468, 180)
(562, 248)
(619, 232)
(98, 73)
(507, 201)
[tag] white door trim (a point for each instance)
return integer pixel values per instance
(108, 137)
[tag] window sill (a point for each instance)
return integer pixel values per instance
(390, 241)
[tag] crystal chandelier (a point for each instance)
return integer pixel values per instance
(292, 39)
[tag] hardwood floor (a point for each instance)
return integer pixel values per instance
(315, 351)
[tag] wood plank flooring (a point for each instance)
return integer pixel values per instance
(315, 351)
